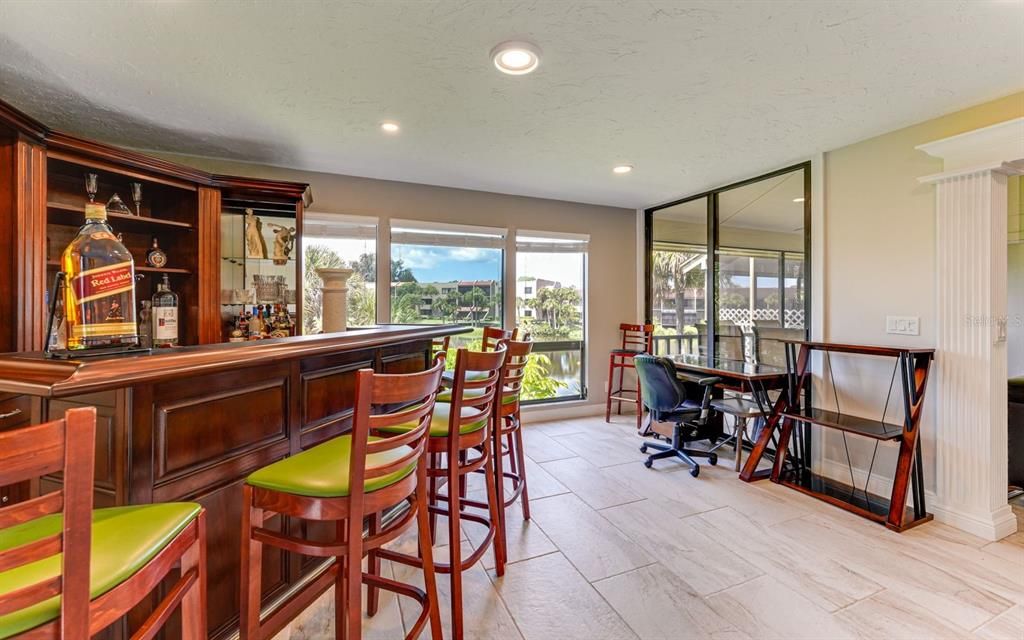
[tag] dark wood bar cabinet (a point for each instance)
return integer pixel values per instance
(191, 423)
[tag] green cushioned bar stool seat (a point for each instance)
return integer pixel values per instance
(446, 396)
(322, 472)
(124, 539)
(439, 422)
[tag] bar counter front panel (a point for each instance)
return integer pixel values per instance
(192, 423)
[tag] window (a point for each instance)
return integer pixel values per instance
(334, 240)
(447, 273)
(679, 260)
(755, 297)
(551, 305)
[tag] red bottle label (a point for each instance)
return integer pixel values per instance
(102, 282)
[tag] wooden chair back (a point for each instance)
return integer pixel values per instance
(515, 366)
(637, 337)
(414, 393)
(483, 389)
(67, 445)
(494, 335)
(439, 347)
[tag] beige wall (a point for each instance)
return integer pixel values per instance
(879, 257)
(611, 269)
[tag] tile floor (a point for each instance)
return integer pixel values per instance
(617, 551)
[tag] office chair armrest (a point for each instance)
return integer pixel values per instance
(709, 381)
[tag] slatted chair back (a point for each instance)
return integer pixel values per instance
(414, 394)
(515, 366)
(439, 347)
(494, 335)
(637, 337)
(68, 446)
(478, 376)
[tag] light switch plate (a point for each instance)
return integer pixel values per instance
(903, 325)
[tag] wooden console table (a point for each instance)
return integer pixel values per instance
(912, 367)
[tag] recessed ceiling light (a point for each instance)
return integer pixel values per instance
(515, 58)
(389, 127)
(798, 199)
(622, 168)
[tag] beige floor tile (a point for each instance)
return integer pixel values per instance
(562, 427)
(658, 605)
(550, 600)
(484, 612)
(1008, 626)
(889, 615)
(525, 538)
(603, 448)
(541, 447)
(943, 594)
(804, 569)
(317, 622)
(673, 486)
(764, 608)
(683, 546)
(592, 543)
(597, 489)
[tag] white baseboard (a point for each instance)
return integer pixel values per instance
(561, 411)
(995, 526)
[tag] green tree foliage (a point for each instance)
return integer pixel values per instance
(537, 381)
(674, 273)
(365, 267)
(400, 272)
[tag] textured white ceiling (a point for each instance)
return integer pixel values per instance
(694, 94)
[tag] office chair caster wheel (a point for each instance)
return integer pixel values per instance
(648, 463)
(713, 459)
(643, 448)
(695, 471)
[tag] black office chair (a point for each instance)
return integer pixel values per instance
(665, 397)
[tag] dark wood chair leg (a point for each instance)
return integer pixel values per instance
(500, 557)
(252, 570)
(639, 403)
(495, 509)
(513, 464)
(427, 554)
(373, 568)
(524, 498)
(433, 462)
(611, 389)
(455, 553)
(622, 382)
(193, 605)
(349, 614)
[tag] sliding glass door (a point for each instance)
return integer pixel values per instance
(759, 234)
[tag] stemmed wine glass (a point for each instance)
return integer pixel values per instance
(137, 197)
(92, 183)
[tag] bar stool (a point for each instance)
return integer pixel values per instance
(112, 558)
(508, 439)
(742, 410)
(636, 339)
(494, 335)
(439, 346)
(461, 432)
(345, 480)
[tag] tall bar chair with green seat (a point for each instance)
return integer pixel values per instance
(346, 480)
(508, 437)
(460, 444)
(636, 339)
(68, 571)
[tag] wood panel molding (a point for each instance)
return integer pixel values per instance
(209, 256)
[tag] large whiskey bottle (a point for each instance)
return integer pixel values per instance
(99, 299)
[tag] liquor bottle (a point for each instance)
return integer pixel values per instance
(146, 325)
(165, 315)
(255, 325)
(156, 257)
(99, 299)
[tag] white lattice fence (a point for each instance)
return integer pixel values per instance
(742, 317)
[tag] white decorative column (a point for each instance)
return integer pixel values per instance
(970, 372)
(335, 298)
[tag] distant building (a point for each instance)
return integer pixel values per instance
(431, 292)
(526, 294)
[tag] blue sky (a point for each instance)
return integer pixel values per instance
(443, 264)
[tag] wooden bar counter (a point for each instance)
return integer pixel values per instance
(190, 423)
